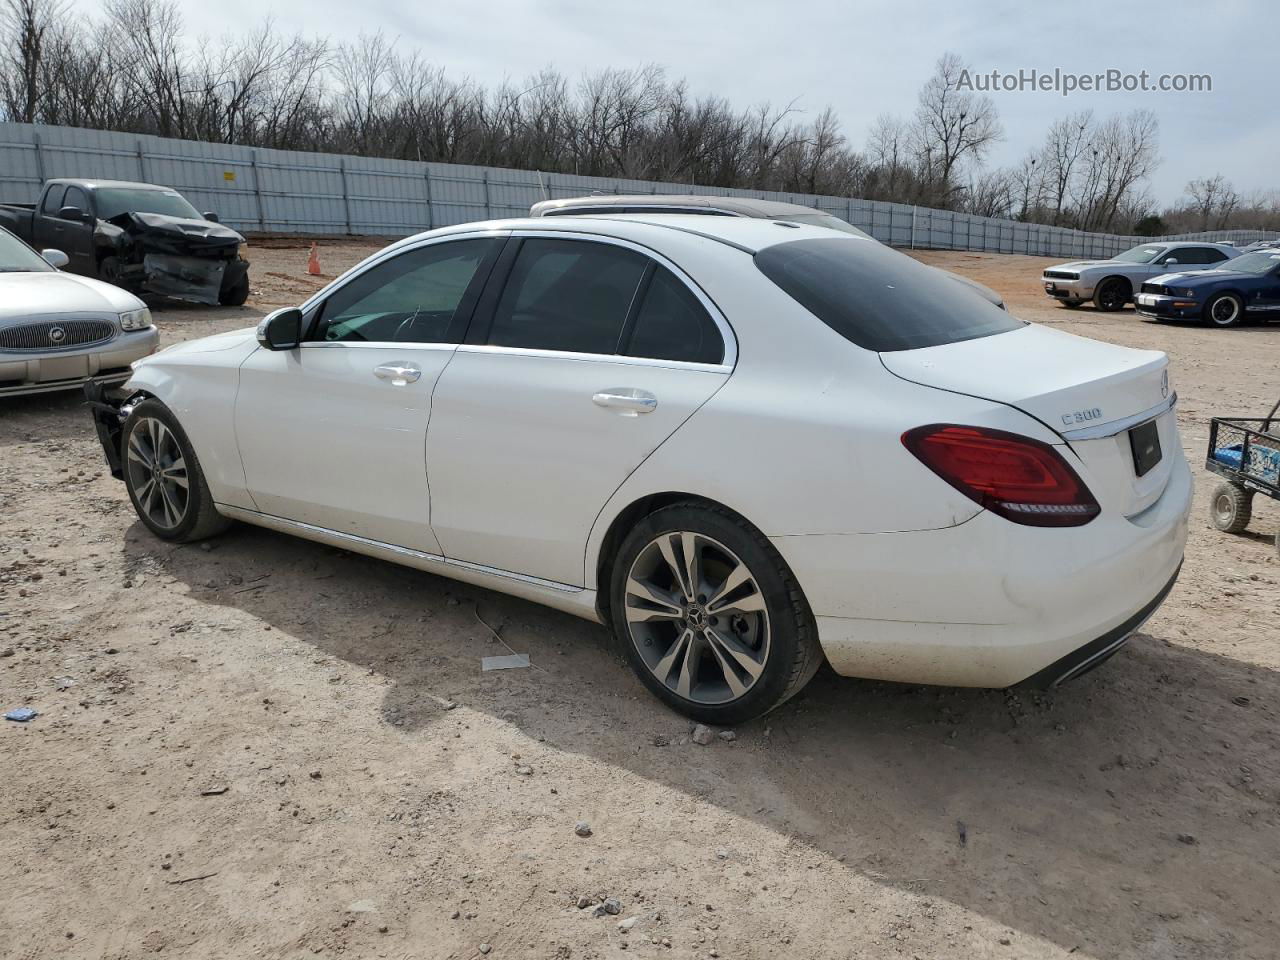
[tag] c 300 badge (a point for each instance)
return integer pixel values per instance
(1082, 416)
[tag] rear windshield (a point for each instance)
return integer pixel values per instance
(878, 298)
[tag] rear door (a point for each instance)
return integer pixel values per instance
(333, 433)
(585, 355)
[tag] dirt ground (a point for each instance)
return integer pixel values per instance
(260, 747)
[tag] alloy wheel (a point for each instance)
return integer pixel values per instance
(1224, 311)
(158, 473)
(697, 617)
(1112, 296)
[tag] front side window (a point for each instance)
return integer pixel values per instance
(567, 295)
(672, 325)
(412, 298)
(1186, 255)
(878, 298)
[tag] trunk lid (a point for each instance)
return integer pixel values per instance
(1087, 391)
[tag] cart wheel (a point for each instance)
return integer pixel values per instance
(1231, 507)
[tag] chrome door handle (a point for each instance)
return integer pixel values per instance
(399, 372)
(629, 401)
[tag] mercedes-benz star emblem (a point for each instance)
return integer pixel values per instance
(57, 335)
(1164, 384)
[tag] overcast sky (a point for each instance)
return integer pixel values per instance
(861, 58)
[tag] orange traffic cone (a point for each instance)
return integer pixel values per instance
(313, 261)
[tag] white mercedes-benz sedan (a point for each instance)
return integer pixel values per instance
(744, 445)
(58, 331)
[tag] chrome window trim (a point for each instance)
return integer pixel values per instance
(727, 335)
(1103, 430)
(376, 345)
(617, 358)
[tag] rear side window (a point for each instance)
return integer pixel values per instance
(878, 298)
(1213, 255)
(672, 325)
(569, 295)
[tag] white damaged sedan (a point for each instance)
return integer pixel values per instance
(744, 445)
(59, 331)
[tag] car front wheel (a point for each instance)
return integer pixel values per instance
(163, 476)
(1224, 310)
(1111, 295)
(710, 616)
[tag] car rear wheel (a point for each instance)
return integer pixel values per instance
(1224, 310)
(1111, 295)
(163, 476)
(1231, 507)
(709, 615)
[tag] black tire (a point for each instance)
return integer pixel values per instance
(198, 519)
(792, 655)
(236, 292)
(109, 271)
(1224, 310)
(1112, 294)
(1071, 304)
(1230, 507)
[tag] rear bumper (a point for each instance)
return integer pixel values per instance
(989, 603)
(22, 374)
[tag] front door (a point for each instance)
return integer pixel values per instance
(333, 433)
(579, 366)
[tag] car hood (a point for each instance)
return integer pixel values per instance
(1085, 264)
(200, 232)
(26, 295)
(1200, 278)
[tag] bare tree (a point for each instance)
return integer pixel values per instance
(1214, 200)
(953, 125)
(26, 26)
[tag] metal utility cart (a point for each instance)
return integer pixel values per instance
(1245, 452)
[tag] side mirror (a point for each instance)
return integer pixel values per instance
(1171, 262)
(211, 216)
(281, 329)
(55, 258)
(71, 213)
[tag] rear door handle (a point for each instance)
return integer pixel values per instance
(399, 372)
(628, 401)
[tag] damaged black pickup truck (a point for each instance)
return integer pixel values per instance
(139, 236)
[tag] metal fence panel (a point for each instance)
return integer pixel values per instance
(290, 191)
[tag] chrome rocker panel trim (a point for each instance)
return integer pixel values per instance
(561, 596)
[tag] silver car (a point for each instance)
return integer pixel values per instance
(723, 207)
(1110, 284)
(59, 331)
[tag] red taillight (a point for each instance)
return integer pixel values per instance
(1021, 479)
